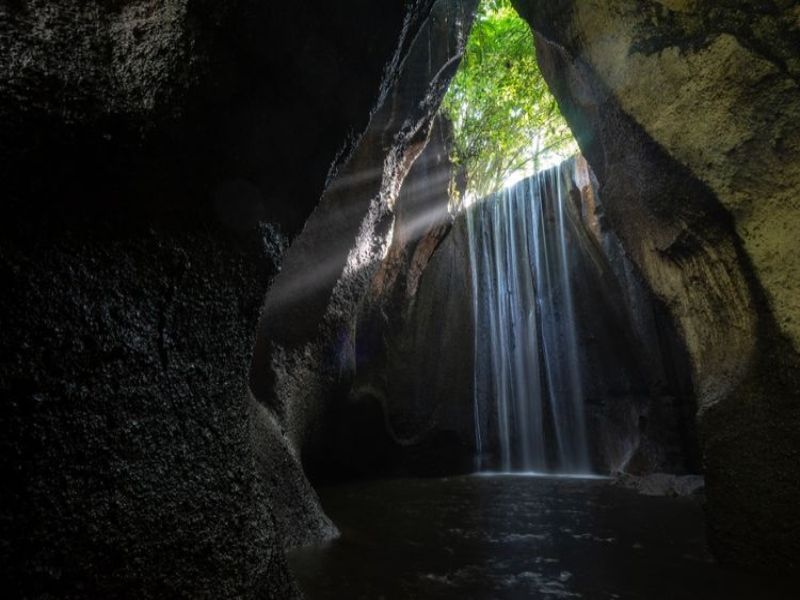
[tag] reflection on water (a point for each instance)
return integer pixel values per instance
(511, 537)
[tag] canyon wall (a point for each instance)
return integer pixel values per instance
(414, 330)
(155, 156)
(688, 114)
(159, 416)
(636, 380)
(421, 385)
(305, 356)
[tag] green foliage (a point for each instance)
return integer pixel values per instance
(505, 119)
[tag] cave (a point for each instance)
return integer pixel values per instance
(261, 340)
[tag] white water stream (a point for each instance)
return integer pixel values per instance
(526, 350)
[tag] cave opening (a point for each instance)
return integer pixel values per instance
(506, 123)
(555, 368)
(329, 282)
(557, 388)
(506, 127)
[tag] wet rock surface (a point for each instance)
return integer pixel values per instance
(414, 334)
(505, 537)
(662, 484)
(418, 370)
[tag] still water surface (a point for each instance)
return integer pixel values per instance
(510, 537)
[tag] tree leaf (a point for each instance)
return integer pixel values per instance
(505, 120)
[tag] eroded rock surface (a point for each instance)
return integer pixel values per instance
(152, 99)
(688, 114)
(126, 442)
(305, 355)
(414, 334)
(152, 154)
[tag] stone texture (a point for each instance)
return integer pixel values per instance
(687, 112)
(304, 358)
(153, 98)
(663, 484)
(414, 334)
(635, 377)
(745, 140)
(127, 456)
(152, 153)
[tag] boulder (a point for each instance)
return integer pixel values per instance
(663, 484)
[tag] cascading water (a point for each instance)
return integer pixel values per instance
(526, 350)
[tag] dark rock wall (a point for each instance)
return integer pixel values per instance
(414, 333)
(416, 367)
(636, 376)
(249, 99)
(129, 469)
(152, 153)
(635, 410)
(687, 112)
(305, 354)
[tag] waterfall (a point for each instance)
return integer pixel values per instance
(528, 389)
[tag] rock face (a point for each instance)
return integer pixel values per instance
(414, 333)
(152, 154)
(688, 114)
(305, 355)
(126, 444)
(638, 416)
(639, 399)
(249, 99)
